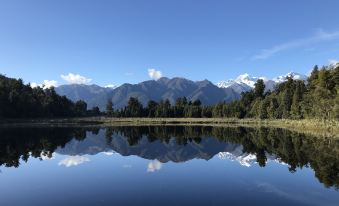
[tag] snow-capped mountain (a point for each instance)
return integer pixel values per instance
(294, 75)
(245, 82)
(237, 87)
(243, 79)
(246, 159)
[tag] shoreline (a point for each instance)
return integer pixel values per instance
(310, 126)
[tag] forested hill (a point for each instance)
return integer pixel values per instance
(161, 89)
(318, 97)
(18, 100)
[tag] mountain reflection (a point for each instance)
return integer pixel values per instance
(162, 144)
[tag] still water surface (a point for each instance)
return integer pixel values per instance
(173, 165)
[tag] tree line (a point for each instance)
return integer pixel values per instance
(318, 97)
(181, 108)
(296, 149)
(18, 100)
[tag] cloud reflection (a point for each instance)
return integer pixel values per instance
(45, 156)
(73, 161)
(153, 166)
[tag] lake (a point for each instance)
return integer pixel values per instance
(166, 165)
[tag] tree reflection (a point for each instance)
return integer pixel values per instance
(295, 149)
(22, 143)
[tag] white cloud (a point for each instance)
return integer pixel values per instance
(320, 36)
(34, 84)
(73, 161)
(153, 166)
(75, 79)
(154, 74)
(46, 84)
(50, 83)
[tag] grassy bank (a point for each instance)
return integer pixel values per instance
(311, 126)
(317, 127)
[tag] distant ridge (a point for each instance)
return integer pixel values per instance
(245, 82)
(161, 89)
(171, 89)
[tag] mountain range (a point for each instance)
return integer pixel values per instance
(93, 95)
(165, 88)
(245, 82)
(206, 149)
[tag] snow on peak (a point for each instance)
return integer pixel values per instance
(244, 76)
(245, 82)
(111, 86)
(244, 79)
(248, 80)
(225, 84)
(294, 75)
(245, 160)
(333, 62)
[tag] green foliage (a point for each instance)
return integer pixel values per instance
(272, 110)
(151, 108)
(259, 88)
(292, 99)
(109, 108)
(336, 108)
(295, 149)
(296, 107)
(18, 100)
(134, 108)
(263, 109)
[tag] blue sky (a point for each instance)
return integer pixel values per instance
(112, 42)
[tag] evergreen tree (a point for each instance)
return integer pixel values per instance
(313, 78)
(273, 112)
(197, 103)
(287, 97)
(80, 108)
(206, 112)
(151, 108)
(259, 88)
(255, 109)
(163, 109)
(335, 74)
(336, 107)
(263, 113)
(317, 98)
(109, 108)
(217, 110)
(324, 78)
(296, 107)
(134, 108)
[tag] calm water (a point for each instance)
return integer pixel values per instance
(166, 166)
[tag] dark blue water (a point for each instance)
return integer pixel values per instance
(166, 166)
